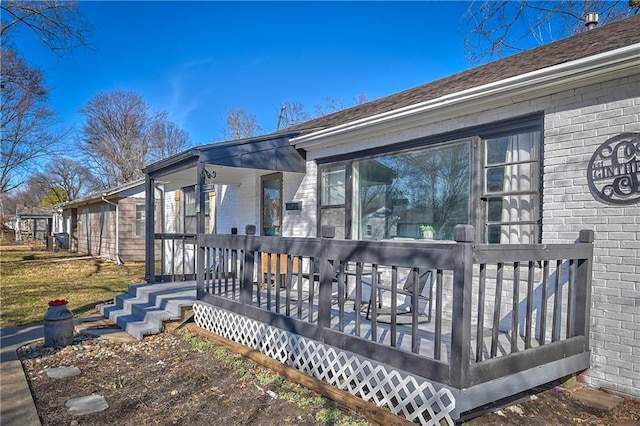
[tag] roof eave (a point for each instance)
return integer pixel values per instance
(610, 64)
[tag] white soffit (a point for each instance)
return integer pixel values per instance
(566, 76)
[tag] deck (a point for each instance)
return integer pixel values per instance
(489, 321)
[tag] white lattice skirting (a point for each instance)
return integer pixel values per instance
(404, 394)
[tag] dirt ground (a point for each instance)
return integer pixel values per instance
(179, 378)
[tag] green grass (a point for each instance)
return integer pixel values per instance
(29, 278)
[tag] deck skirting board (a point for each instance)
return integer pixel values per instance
(495, 390)
(413, 397)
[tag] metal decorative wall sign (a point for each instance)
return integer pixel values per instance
(614, 170)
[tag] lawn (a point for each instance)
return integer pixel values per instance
(31, 276)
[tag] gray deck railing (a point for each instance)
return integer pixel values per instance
(498, 309)
(177, 260)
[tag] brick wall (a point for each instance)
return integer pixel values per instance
(576, 123)
(574, 128)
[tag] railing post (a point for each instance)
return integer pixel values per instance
(149, 229)
(582, 309)
(200, 213)
(246, 283)
(326, 279)
(462, 287)
(201, 252)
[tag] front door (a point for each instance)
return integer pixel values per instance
(271, 209)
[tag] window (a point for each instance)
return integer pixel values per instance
(271, 217)
(333, 198)
(511, 188)
(190, 218)
(105, 224)
(398, 195)
(333, 186)
(140, 220)
(189, 215)
(83, 222)
(487, 176)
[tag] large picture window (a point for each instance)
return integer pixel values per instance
(402, 196)
(488, 177)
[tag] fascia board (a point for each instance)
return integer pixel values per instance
(570, 75)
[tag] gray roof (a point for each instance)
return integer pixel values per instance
(587, 43)
(107, 193)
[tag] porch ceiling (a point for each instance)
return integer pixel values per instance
(223, 175)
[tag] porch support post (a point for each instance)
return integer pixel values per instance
(583, 289)
(149, 229)
(462, 287)
(326, 279)
(246, 280)
(200, 251)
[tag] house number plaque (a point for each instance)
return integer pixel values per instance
(614, 170)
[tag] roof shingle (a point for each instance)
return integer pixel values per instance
(608, 37)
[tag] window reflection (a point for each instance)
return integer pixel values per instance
(405, 195)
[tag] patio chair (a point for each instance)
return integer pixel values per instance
(424, 278)
(314, 276)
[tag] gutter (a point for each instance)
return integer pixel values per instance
(622, 61)
(118, 260)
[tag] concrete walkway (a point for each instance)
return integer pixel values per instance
(16, 403)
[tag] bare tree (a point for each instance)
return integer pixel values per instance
(241, 125)
(67, 175)
(119, 134)
(499, 28)
(59, 25)
(332, 105)
(26, 121)
(166, 139)
(292, 112)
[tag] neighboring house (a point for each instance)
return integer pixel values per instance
(33, 224)
(529, 150)
(109, 224)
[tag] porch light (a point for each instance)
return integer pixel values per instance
(209, 175)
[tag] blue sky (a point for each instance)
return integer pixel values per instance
(196, 60)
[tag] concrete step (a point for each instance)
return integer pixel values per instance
(145, 307)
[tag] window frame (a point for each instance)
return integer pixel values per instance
(263, 179)
(184, 215)
(477, 135)
(140, 221)
(105, 221)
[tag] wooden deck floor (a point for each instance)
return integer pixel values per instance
(426, 334)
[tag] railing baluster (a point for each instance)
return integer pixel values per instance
(543, 308)
(313, 283)
(515, 307)
(341, 298)
(414, 309)
(480, 325)
(268, 281)
(557, 303)
(356, 305)
(394, 305)
(437, 342)
(278, 281)
(570, 298)
(529, 318)
(495, 327)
